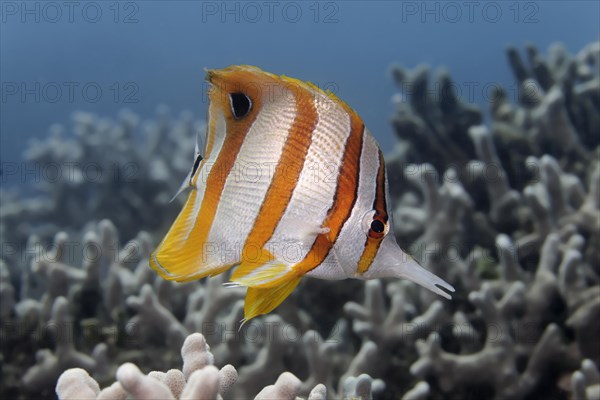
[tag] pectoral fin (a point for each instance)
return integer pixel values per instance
(261, 301)
(262, 271)
(305, 231)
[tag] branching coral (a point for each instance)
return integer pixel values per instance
(545, 285)
(198, 379)
(125, 170)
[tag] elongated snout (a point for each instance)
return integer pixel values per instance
(392, 262)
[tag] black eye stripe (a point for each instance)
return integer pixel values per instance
(240, 104)
(377, 226)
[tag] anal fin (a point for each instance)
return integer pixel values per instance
(263, 300)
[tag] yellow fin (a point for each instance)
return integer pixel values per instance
(261, 301)
(262, 271)
(181, 256)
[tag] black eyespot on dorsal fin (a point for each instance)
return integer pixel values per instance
(240, 104)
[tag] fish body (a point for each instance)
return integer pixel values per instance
(291, 184)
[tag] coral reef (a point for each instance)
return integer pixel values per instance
(516, 227)
(198, 379)
(586, 382)
(508, 212)
(120, 170)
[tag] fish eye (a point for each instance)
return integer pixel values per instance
(374, 225)
(240, 104)
(377, 226)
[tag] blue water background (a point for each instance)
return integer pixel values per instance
(145, 53)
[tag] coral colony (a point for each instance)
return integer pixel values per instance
(507, 211)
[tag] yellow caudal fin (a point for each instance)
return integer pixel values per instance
(181, 255)
(262, 271)
(262, 301)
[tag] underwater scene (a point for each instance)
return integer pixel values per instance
(300, 200)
